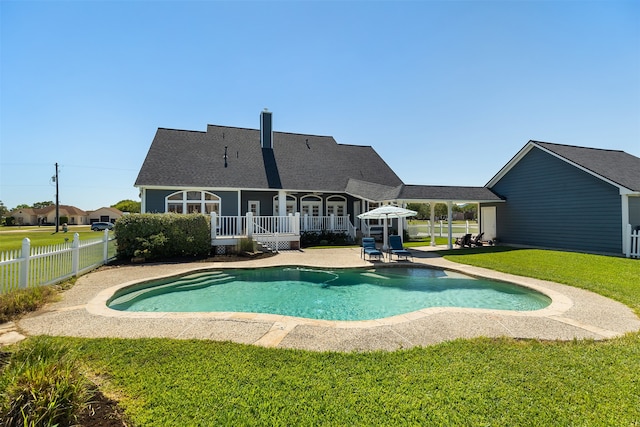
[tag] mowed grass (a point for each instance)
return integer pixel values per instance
(493, 382)
(11, 237)
(616, 278)
(497, 382)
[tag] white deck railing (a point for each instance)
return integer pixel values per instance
(47, 265)
(224, 227)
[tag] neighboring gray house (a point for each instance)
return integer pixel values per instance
(567, 197)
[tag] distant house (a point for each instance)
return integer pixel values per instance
(567, 197)
(104, 214)
(73, 215)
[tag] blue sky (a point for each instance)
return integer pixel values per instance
(445, 91)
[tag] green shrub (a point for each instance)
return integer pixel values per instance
(42, 386)
(323, 238)
(156, 236)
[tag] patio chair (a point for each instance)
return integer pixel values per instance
(369, 248)
(396, 248)
(477, 241)
(464, 241)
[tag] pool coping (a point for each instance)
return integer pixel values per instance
(573, 313)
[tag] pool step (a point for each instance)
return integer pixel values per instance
(190, 282)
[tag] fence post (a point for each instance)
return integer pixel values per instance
(105, 247)
(440, 228)
(75, 254)
(24, 265)
(467, 228)
(332, 222)
(213, 226)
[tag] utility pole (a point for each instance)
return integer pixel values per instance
(57, 201)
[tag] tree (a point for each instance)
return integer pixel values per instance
(3, 210)
(40, 205)
(130, 206)
(421, 208)
(23, 206)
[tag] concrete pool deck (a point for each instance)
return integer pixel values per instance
(81, 312)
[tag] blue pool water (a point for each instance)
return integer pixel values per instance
(344, 294)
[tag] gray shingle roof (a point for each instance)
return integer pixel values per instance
(614, 165)
(299, 162)
(371, 191)
(446, 193)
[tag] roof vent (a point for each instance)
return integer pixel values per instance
(266, 129)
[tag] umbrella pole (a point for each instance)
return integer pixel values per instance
(385, 235)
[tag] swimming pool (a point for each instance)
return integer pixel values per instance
(342, 294)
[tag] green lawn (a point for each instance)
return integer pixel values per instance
(617, 278)
(11, 237)
(496, 382)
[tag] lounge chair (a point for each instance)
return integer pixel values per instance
(464, 240)
(396, 248)
(369, 248)
(477, 241)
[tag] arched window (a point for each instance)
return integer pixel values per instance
(311, 205)
(336, 205)
(192, 202)
(291, 205)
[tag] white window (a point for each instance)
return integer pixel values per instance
(311, 205)
(291, 205)
(336, 205)
(192, 202)
(254, 207)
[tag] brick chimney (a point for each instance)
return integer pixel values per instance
(266, 129)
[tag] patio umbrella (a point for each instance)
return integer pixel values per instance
(385, 212)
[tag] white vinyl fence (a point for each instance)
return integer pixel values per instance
(634, 245)
(46, 265)
(441, 229)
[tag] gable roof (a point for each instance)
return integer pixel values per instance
(614, 166)
(179, 158)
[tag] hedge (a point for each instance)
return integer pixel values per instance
(155, 236)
